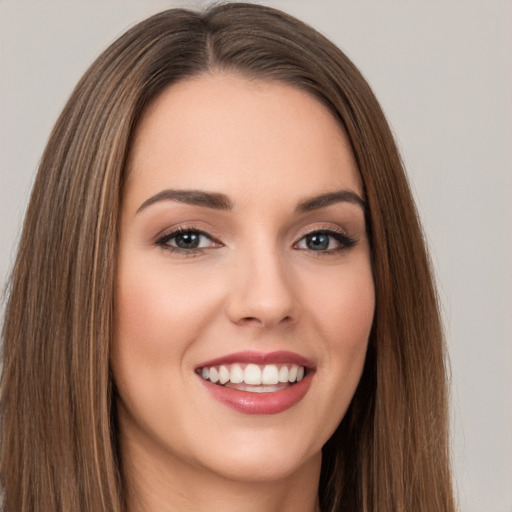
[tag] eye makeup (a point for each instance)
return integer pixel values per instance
(187, 240)
(191, 240)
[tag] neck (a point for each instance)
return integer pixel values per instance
(170, 485)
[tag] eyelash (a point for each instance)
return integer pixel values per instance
(164, 240)
(345, 242)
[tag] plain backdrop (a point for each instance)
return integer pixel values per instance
(443, 73)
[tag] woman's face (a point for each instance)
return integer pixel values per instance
(245, 295)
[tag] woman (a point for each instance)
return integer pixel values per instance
(222, 297)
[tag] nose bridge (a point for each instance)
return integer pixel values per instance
(262, 288)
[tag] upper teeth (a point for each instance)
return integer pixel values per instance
(253, 374)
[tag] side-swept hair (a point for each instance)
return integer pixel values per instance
(59, 446)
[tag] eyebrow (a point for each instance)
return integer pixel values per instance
(218, 201)
(212, 200)
(324, 200)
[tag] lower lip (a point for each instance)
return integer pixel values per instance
(260, 403)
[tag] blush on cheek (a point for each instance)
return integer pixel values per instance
(161, 308)
(349, 314)
(135, 338)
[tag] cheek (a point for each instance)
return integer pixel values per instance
(345, 313)
(159, 316)
(344, 318)
(157, 309)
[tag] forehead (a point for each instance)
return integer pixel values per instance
(227, 133)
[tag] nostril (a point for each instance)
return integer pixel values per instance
(250, 319)
(261, 321)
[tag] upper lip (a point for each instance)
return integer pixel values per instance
(261, 358)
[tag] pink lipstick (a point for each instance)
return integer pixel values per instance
(257, 383)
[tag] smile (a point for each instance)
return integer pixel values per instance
(254, 383)
(254, 378)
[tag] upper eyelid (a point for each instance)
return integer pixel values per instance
(174, 231)
(325, 229)
(170, 233)
(194, 229)
(162, 242)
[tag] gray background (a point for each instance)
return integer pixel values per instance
(443, 73)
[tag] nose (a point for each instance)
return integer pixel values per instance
(262, 291)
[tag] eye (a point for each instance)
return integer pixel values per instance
(325, 241)
(187, 240)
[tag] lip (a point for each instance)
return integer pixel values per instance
(260, 403)
(251, 356)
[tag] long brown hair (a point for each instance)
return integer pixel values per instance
(59, 448)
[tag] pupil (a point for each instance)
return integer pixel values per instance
(318, 242)
(187, 240)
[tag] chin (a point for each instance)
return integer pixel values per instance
(262, 465)
(271, 451)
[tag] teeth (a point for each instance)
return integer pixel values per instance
(214, 375)
(283, 374)
(259, 389)
(270, 374)
(223, 375)
(254, 375)
(237, 374)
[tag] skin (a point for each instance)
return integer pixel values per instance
(255, 285)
